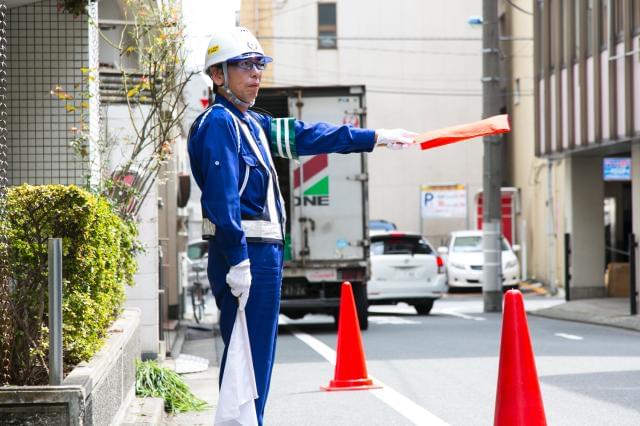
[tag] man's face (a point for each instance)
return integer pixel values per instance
(244, 79)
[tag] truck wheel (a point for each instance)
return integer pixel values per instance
(362, 304)
(425, 307)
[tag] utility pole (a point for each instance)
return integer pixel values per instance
(492, 179)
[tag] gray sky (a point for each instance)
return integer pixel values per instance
(202, 18)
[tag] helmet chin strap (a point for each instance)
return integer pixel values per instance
(232, 97)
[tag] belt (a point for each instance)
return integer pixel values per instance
(260, 229)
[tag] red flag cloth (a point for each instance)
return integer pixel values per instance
(489, 126)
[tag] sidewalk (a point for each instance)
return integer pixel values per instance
(610, 311)
(199, 340)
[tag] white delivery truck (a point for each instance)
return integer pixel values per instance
(327, 205)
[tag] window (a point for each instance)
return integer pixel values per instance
(472, 244)
(604, 19)
(327, 33)
(540, 46)
(589, 27)
(578, 28)
(197, 250)
(617, 8)
(406, 244)
(567, 47)
(554, 37)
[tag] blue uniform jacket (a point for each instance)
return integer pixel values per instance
(222, 162)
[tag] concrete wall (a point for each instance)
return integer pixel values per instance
(635, 200)
(95, 392)
(585, 222)
(416, 83)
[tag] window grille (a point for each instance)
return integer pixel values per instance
(47, 48)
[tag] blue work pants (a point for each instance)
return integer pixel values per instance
(262, 309)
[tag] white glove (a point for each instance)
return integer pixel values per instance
(239, 279)
(395, 138)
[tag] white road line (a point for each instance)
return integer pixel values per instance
(403, 405)
(459, 315)
(569, 336)
(391, 320)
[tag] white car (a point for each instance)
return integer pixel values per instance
(465, 259)
(405, 268)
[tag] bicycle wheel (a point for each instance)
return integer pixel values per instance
(197, 301)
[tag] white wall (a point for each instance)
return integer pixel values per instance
(418, 85)
(118, 130)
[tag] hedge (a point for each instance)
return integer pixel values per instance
(98, 261)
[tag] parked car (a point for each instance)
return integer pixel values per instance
(464, 259)
(378, 225)
(405, 268)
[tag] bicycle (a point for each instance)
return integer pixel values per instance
(198, 292)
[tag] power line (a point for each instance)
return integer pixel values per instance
(396, 50)
(386, 89)
(374, 38)
(282, 12)
(515, 6)
(394, 77)
(382, 49)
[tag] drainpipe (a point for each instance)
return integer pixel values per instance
(551, 232)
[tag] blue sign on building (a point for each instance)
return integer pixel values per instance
(616, 169)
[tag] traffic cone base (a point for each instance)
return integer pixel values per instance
(351, 366)
(356, 384)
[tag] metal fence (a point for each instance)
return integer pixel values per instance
(5, 315)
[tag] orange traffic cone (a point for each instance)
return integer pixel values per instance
(518, 399)
(351, 367)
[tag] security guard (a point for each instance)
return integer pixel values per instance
(231, 150)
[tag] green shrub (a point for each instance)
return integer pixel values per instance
(98, 260)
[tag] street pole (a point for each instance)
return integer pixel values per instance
(491, 182)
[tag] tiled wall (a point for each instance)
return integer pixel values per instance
(47, 48)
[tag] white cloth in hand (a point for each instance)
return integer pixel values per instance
(236, 398)
(395, 138)
(239, 279)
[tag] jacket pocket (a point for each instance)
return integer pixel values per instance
(253, 183)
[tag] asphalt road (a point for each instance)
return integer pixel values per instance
(442, 369)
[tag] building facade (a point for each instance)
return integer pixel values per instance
(578, 162)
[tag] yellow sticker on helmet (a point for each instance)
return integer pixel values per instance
(213, 49)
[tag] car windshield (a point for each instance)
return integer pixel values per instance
(472, 244)
(197, 251)
(400, 245)
(381, 225)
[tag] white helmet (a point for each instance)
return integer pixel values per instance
(235, 43)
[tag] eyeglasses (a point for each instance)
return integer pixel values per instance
(248, 65)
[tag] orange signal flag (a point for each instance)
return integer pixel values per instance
(489, 126)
